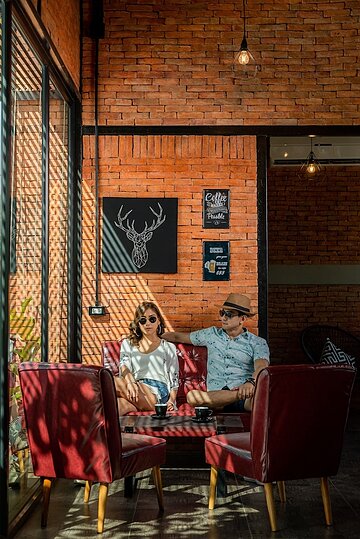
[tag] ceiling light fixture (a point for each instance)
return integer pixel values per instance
(311, 166)
(244, 58)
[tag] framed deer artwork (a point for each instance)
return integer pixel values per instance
(139, 235)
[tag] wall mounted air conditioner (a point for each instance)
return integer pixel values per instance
(328, 150)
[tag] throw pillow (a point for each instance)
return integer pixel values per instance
(332, 355)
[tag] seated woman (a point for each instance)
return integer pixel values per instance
(149, 368)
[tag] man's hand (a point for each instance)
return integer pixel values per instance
(170, 406)
(245, 391)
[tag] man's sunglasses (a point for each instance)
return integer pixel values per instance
(228, 314)
(152, 319)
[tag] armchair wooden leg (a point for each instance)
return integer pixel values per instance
(158, 484)
(20, 455)
(281, 490)
(46, 501)
(87, 491)
(212, 491)
(103, 492)
(324, 484)
(268, 488)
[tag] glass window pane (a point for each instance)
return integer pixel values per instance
(25, 251)
(58, 226)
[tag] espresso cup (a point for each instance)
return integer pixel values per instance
(161, 410)
(202, 412)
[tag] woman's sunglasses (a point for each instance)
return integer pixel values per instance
(152, 319)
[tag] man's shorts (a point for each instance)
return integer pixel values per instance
(158, 388)
(234, 407)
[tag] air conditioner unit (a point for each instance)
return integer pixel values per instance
(328, 150)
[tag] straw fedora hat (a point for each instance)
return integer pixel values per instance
(239, 302)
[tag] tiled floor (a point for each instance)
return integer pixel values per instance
(242, 513)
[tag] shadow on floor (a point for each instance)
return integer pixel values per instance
(242, 513)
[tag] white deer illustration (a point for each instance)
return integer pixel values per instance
(139, 253)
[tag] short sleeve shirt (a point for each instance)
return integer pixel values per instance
(161, 364)
(230, 361)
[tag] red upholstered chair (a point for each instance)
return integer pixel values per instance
(297, 425)
(74, 431)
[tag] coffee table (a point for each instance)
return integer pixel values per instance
(185, 438)
(182, 433)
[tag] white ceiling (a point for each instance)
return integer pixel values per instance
(327, 150)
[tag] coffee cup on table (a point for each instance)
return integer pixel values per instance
(203, 413)
(161, 410)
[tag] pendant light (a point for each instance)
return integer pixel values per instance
(311, 166)
(244, 58)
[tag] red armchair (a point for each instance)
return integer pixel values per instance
(74, 431)
(297, 425)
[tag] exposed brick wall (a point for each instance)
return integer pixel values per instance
(312, 222)
(164, 63)
(62, 21)
(293, 308)
(181, 167)
(172, 63)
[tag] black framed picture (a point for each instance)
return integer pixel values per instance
(139, 235)
(216, 260)
(216, 208)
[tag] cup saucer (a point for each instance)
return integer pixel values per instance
(155, 416)
(200, 420)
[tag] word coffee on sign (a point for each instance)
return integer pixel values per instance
(216, 208)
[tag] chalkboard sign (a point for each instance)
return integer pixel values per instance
(139, 235)
(216, 261)
(216, 208)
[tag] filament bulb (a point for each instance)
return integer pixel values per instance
(244, 57)
(311, 168)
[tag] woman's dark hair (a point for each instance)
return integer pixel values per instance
(135, 328)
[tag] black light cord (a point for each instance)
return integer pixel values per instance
(97, 235)
(244, 18)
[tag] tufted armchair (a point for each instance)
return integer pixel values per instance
(74, 431)
(297, 427)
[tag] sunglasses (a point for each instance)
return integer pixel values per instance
(152, 319)
(228, 314)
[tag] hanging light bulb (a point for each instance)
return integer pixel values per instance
(244, 58)
(311, 167)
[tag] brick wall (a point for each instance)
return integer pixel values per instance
(62, 22)
(312, 222)
(180, 167)
(172, 63)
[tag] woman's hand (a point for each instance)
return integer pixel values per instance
(132, 391)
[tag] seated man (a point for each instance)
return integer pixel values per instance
(235, 357)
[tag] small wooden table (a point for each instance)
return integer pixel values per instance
(185, 438)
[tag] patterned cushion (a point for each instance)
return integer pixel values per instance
(332, 355)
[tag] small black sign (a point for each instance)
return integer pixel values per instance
(216, 261)
(216, 208)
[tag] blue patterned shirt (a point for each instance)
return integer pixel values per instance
(230, 361)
